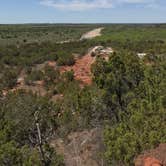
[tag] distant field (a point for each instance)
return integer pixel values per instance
(29, 33)
(125, 32)
(136, 38)
(32, 44)
(16, 34)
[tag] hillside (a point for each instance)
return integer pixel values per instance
(98, 101)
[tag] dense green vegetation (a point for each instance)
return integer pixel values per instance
(18, 132)
(135, 100)
(136, 38)
(134, 32)
(30, 33)
(34, 53)
(127, 97)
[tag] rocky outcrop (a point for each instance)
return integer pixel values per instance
(154, 157)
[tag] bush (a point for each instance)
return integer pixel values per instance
(9, 78)
(140, 131)
(34, 76)
(68, 76)
(18, 133)
(51, 77)
(66, 60)
(141, 125)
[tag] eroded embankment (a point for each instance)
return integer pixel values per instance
(82, 69)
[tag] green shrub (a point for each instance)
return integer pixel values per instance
(68, 76)
(8, 78)
(35, 75)
(66, 60)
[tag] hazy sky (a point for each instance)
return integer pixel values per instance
(82, 11)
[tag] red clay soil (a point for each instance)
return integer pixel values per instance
(51, 63)
(82, 69)
(155, 157)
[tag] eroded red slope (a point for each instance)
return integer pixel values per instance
(82, 69)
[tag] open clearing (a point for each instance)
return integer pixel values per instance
(92, 34)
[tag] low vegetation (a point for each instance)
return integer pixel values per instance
(30, 33)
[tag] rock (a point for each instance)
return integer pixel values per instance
(154, 157)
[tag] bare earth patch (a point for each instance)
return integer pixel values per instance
(82, 69)
(92, 34)
(82, 148)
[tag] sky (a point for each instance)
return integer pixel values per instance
(82, 11)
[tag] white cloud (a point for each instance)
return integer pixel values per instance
(79, 5)
(136, 1)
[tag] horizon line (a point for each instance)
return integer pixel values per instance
(68, 23)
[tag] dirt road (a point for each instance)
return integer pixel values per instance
(92, 34)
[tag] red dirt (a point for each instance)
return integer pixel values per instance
(154, 157)
(82, 69)
(51, 63)
(82, 73)
(149, 161)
